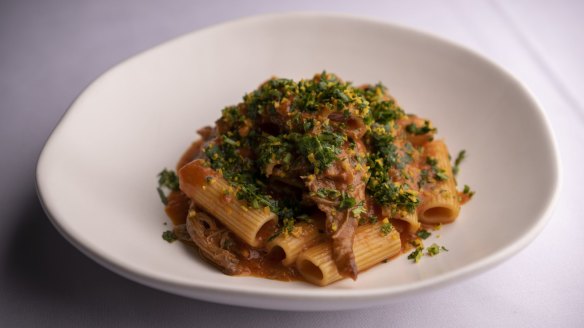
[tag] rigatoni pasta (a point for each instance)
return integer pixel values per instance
(315, 180)
(288, 246)
(441, 204)
(215, 195)
(371, 247)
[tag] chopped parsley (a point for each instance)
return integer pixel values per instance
(416, 255)
(439, 173)
(255, 198)
(328, 193)
(169, 236)
(308, 125)
(416, 130)
(273, 151)
(386, 111)
(320, 150)
(286, 227)
(459, 158)
(359, 209)
(387, 193)
(326, 91)
(370, 219)
(346, 201)
(162, 196)
(167, 179)
(431, 251)
(424, 179)
(386, 228)
(230, 141)
(382, 110)
(434, 250)
(263, 100)
(381, 186)
(467, 191)
(232, 116)
(423, 233)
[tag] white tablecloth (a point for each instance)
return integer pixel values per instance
(50, 50)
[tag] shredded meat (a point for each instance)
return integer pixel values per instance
(213, 242)
(340, 224)
(181, 233)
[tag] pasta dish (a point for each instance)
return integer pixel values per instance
(315, 180)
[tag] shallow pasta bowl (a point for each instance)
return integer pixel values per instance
(97, 173)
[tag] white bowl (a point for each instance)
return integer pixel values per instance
(97, 173)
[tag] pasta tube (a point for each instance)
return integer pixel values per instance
(410, 218)
(289, 246)
(213, 193)
(371, 246)
(440, 203)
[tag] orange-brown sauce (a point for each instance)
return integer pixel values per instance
(258, 262)
(177, 207)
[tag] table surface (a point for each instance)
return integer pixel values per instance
(50, 50)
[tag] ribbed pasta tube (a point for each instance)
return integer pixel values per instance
(440, 203)
(212, 193)
(412, 220)
(289, 246)
(370, 247)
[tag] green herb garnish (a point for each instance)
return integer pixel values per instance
(416, 130)
(416, 255)
(459, 158)
(321, 150)
(358, 210)
(434, 250)
(467, 191)
(423, 178)
(328, 193)
(167, 179)
(423, 234)
(439, 174)
(386, 228)
(169, 236)
(346, 201)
